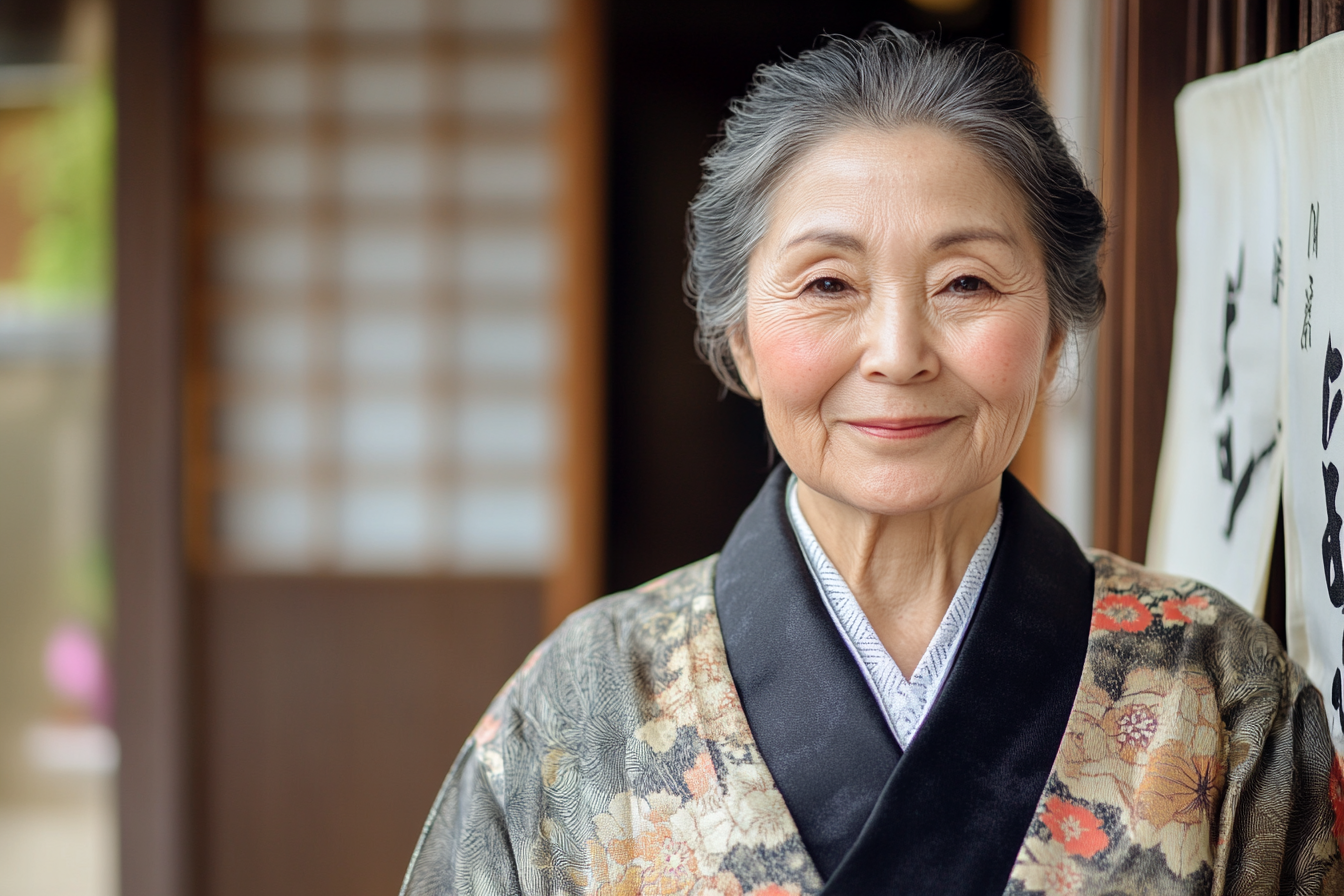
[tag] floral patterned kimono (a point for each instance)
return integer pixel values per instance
(1103, 729)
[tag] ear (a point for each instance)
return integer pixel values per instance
(1054, 352)
(745, 362)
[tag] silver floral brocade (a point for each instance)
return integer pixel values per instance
(618, 761)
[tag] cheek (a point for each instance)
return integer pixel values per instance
(796, 363)
(1003, 359)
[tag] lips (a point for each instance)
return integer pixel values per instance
(901, 427)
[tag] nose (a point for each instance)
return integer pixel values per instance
(897, 339)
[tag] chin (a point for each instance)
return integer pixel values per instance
(893, 489)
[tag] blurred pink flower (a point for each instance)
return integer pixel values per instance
(75, 668)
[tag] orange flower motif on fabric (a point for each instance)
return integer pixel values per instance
(629, 884)
(1337, 800)
(1107, 739)
(774, 890)
(1121, 612)
(1179, 787)
(1179, 796)
(638, 852)
(701, 692)
(1185, 610)
(1063, 878)
(669, 866)
(701, 778)
(721, 884)
(611, 868)
(1077, 829)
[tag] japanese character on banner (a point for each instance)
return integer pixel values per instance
(1332, 402)
(1227, 466)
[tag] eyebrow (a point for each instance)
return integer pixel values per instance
(839, 240)
(833, 238)
(957, 237)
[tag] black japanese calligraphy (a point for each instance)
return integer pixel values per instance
(1337, 700)
(1313, 231)
(1334, 364)
(1230, 296)
(1330, 548)
(1244, 483)
(1277, 274)
(1305, 341)
(1226, 468)
(1332, 401)
(1227, 465)
(1336, 695)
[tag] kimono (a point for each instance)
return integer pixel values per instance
(1103, 729)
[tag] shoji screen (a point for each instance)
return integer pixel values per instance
(391, 395)
(382, 270)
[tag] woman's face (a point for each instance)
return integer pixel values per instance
(897, 331)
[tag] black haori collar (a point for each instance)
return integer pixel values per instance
(949, 815)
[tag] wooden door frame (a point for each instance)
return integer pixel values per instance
(580, 217)
(152, 77)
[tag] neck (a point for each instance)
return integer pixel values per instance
(903, 569)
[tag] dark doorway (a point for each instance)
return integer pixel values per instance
(683, 462)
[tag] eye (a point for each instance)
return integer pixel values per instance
(827, 286)
(968, 285)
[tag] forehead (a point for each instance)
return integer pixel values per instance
(912, 177)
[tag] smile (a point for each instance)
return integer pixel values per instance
(901, 427)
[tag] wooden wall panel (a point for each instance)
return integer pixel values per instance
(1327, 17)
(1280, 26)
(332, 709)
(1220, 49)
(1250, 34)
(1146, 68)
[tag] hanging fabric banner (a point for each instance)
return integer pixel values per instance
(1217, 497)
(1312, 95)
(1257, 376)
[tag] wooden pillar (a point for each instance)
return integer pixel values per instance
(1145, 67)
(149, 588)
(580, 214)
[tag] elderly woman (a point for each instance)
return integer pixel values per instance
(901, 675)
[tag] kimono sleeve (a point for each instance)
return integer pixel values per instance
(465, 848)
(1284, 831)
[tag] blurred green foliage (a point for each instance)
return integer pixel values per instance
(85, 586)
(66, 169)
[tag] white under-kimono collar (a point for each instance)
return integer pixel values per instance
(904, 703)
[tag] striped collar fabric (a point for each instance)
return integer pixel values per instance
(904, 703)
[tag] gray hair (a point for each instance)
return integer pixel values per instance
(887, 78)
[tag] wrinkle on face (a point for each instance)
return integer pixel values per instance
(899, 279)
